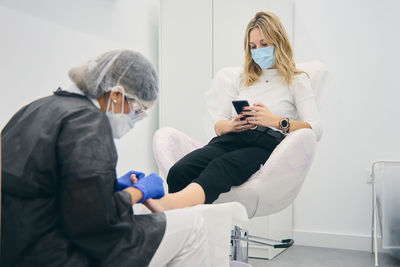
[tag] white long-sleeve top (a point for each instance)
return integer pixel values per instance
(296, 102)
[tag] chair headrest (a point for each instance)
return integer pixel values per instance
(318, 75)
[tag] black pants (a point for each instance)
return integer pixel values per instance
(226, 161)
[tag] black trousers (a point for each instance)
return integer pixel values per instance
(226, 161)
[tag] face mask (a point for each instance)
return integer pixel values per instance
(264, 57)
(122, 123)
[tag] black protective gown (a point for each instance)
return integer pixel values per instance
(58, 202)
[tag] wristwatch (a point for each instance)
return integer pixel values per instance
(284, 125)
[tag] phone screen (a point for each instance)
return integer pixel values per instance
(239, 105)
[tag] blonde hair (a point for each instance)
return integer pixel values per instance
(273, 33)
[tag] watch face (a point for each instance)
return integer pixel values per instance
(284, 123)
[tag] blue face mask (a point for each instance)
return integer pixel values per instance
(264, 57)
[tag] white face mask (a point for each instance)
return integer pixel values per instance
(122, 123)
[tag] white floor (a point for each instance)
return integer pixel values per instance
(299, 256)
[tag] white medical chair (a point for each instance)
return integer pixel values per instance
(276, 184)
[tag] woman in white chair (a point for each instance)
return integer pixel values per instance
(283, 102)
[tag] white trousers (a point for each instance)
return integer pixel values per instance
(185, 242)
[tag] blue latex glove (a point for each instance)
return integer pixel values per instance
(125, 181)
(151, 187)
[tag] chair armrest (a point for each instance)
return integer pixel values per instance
(169, 146)
(283, 174)
(276, 184)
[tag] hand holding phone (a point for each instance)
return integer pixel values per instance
(239, 105)
(240, 125)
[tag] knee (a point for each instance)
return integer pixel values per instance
(175, 175)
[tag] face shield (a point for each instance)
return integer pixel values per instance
(121, 123)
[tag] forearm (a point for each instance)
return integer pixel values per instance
(260, 115)
(295, 125)
(136, 194)
(222, 127)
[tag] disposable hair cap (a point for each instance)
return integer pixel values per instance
(125, 68)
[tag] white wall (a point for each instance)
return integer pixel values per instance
(359, 42)
(42, 39)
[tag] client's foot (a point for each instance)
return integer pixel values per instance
(153, 205)
(158, 205)
(191, 195)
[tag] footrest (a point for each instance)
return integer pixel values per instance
(286, 243)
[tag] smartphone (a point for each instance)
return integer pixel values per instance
(239, 105)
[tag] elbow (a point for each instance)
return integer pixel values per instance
(317, 129)
(216, 128)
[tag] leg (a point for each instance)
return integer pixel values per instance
(191, 195)
(185, 241)
(230, 169)
(190, 166)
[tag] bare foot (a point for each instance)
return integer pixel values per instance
(168, 202)
(191, 195)
(153, 205)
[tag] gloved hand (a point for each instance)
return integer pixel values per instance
(151, 187)
(125, 181)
